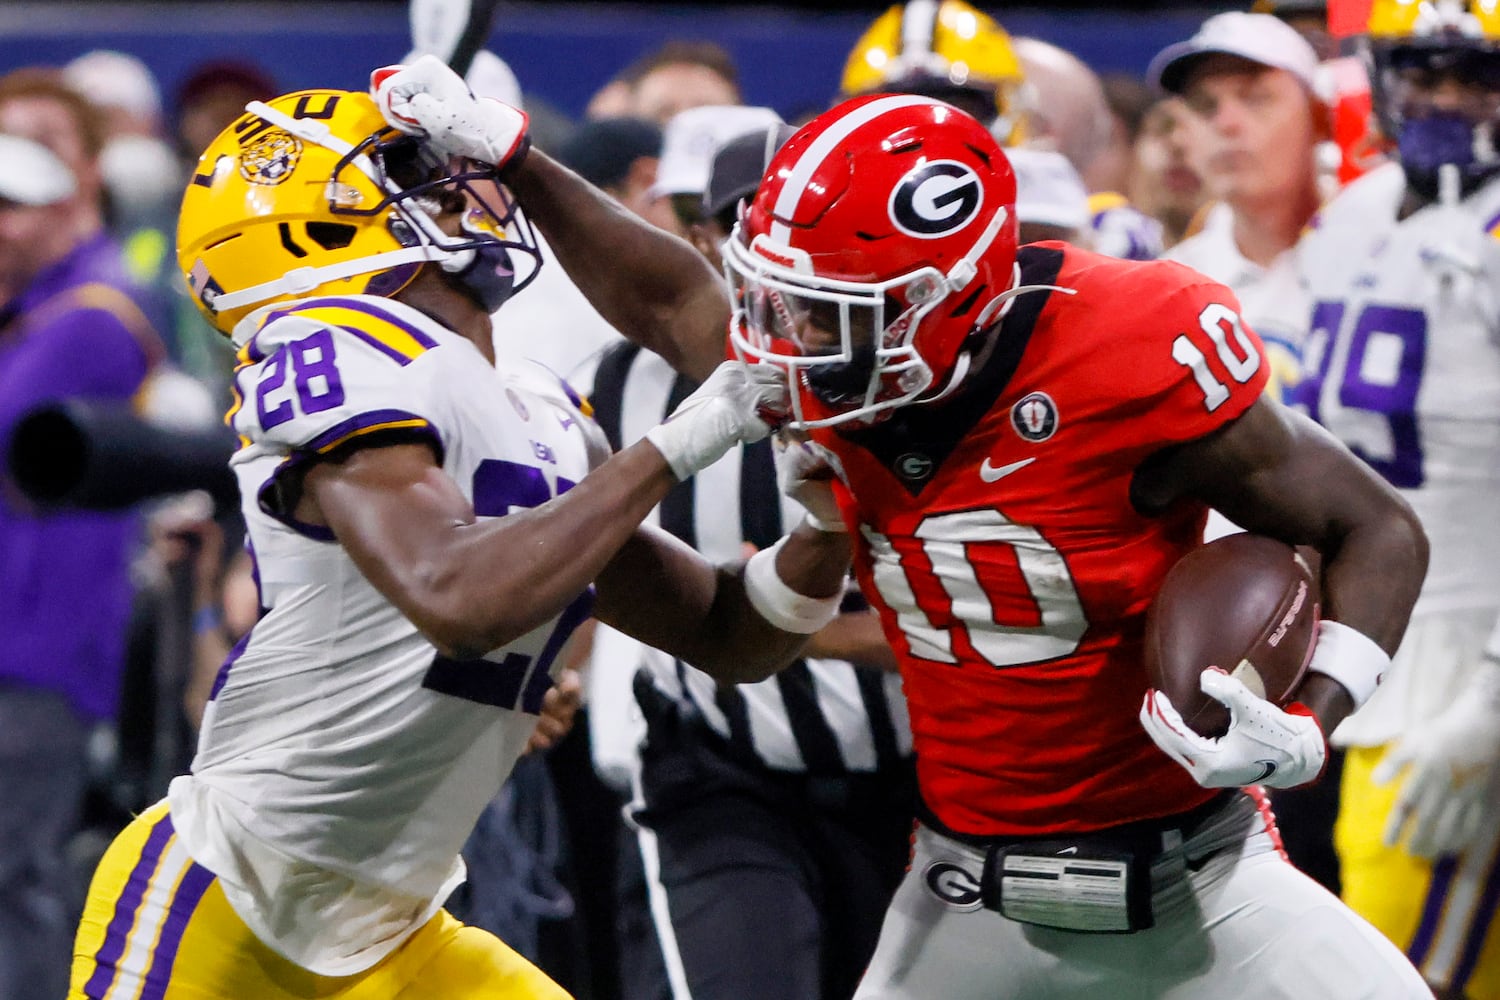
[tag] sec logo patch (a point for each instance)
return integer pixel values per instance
(1034, 416)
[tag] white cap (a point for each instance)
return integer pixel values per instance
(1260, 38)
(115, 80)
(693, 136)
(1049, 191)
(31, 174)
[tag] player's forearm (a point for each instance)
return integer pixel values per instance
(511, 574)
(739, 644)
(651, 286)
(1373, 574)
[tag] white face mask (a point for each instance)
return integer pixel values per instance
(142, 174)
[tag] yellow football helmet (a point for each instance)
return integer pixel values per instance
(1411, 47)
(946, 49)
(313, 193)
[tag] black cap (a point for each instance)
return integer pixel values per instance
(738, 166)
(602, 150)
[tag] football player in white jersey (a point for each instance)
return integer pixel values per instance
(1403, 364)
(428, 525)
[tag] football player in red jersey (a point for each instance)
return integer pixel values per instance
(1020, 442)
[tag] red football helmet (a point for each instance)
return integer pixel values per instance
(880, 241)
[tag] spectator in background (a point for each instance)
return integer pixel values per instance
(214, 94)
(1051, 203)
(688, 145)
(679, 74)
(950, 50)
(141, 171)
(1163, 182)
(1070, 114)
(70, 326)
(1248, 79)
(776, 814)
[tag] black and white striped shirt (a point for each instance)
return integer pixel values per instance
(819, 716)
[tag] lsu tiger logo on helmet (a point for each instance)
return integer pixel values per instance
(312, 193)
(946, 49)
(1435, 81)
(881, 240)
(270, 158)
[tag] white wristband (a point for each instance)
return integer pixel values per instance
(781, 605)
(1350, 657)
(837, 527)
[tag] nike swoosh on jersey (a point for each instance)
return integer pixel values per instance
(990, 474)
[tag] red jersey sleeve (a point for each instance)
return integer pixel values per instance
(1197, 364)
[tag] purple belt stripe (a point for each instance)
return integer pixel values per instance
(189, 891)
(113, 948)
(1432, 910)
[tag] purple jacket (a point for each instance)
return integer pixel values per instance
(65, 591)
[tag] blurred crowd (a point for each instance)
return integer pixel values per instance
(1229, 156)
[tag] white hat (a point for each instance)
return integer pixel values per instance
(31, 174)
(115, 80)
(693, 136)
(1049, 191)
(1260, 38)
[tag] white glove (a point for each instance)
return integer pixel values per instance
(1449, 765)
(805, 473)
(1264, 745)
(735, 405)
(428, 99)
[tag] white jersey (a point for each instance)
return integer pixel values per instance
(1271, 298)
(342, 762)
(1402, 363)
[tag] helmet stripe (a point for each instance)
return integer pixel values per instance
(808, 163)
(919, 28)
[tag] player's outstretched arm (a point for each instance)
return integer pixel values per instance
(653, 287)
(472, 586)
(1275, 472)
(650, 285)
(738, 623)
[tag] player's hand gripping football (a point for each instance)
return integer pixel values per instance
(430, 100)
(804, 473)
(1450, 768)
(1264, 745)
(737, 404)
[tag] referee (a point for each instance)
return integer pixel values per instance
(773, 817)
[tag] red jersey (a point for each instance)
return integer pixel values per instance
(997, 539)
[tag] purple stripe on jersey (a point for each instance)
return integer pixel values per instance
(1432, 910)
(1484, 915)
(184, 901)
(379, 345)
(223, 675)
(359, 422)
(113, 948)
(1494, 221)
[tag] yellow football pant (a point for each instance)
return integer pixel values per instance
(1442, 914)
(156, 926)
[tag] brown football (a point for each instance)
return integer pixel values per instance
(1245, 603)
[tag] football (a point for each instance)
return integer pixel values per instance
(1245, 603)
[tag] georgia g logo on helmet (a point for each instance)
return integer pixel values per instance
(935, 199)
